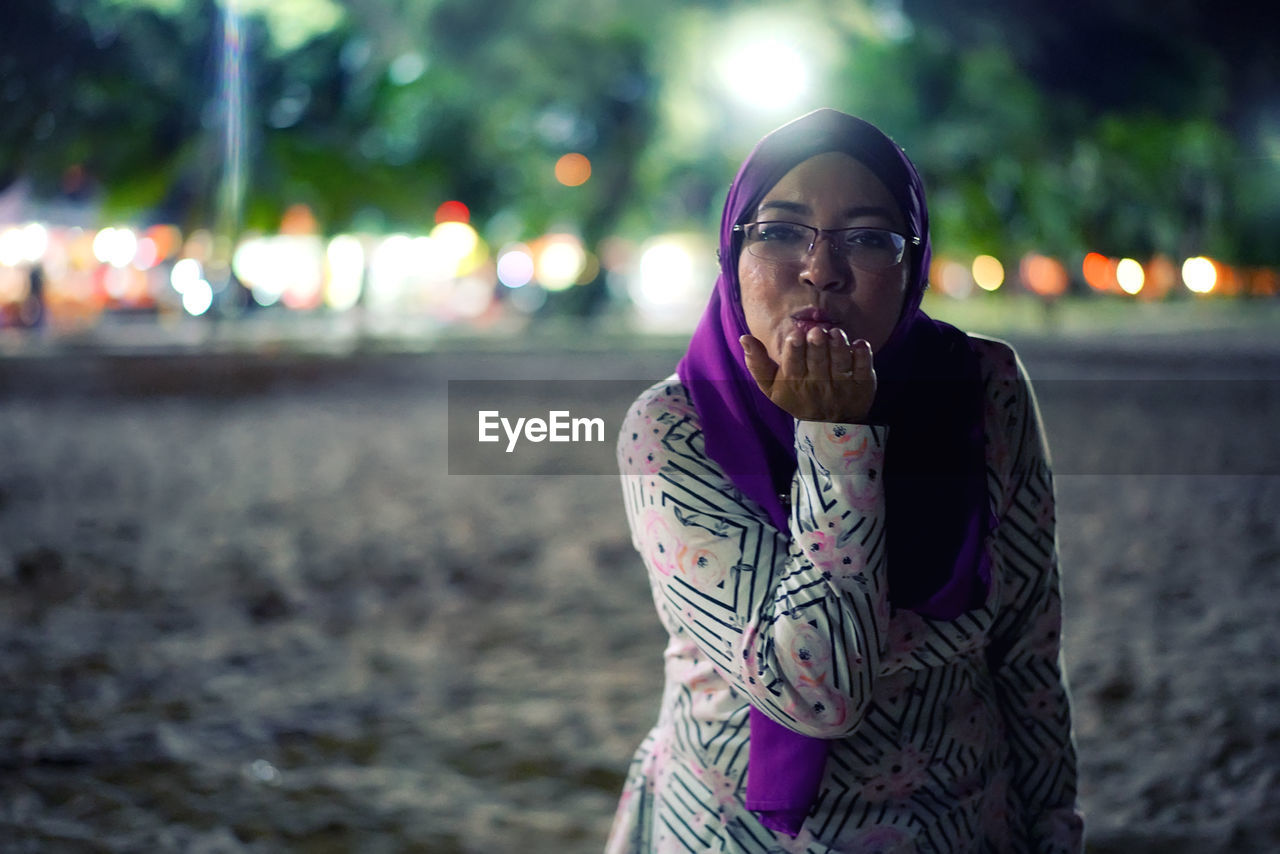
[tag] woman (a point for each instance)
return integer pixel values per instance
(846, 513)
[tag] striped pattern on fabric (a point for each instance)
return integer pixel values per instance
(947, 736)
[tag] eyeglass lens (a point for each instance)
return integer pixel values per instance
(870, 248)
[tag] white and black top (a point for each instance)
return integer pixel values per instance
(947, 735)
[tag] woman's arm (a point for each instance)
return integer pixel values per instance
(1025, 651)
(795, 620)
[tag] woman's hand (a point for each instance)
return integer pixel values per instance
(822, 376)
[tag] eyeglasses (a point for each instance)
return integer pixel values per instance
(791, 242)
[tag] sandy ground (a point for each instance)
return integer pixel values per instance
(243, 606)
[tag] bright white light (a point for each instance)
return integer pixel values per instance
(429, 262)
(666, 275)
(1130, 276)
(345, 255)
(11, 247)
(126, 246)
(103, 243)
(197, 298)
(35, 240)
(671, 281)
(390, 265)
(765, 72)
(515, 266)
(186, 273)
(560, 262)
(456, 243)
(252, 263)
(298, 261)
(115, 246)
(1199, 275)
(286, 266)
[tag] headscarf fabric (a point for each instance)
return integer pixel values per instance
(928, 393)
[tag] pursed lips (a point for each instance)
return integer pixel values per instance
(809, 317)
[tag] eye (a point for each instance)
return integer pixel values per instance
(870, 238)
(783, 233)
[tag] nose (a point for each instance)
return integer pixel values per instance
(825, 267)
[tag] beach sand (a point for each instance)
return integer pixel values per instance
(244, 606)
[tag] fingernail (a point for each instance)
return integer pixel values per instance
(742, 340)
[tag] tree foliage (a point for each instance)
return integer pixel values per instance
(1115, 130)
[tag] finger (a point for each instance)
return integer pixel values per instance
(817, 357)
(763, 369)
(862, 360)
(841, 355)
(793, 357)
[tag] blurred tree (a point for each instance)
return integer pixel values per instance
(1111, 127)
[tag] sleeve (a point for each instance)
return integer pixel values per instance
(1025, 650)
(794, 620)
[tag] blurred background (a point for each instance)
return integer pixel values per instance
(246, 245)
(406, 169)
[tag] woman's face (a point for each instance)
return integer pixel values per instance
(829, 190)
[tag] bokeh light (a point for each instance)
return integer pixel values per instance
(671, 282)
(559, 260)
(1129, 276)
(953, 278)
(185, 274)
(764, 72)
(1043, 275)
(666, 273)
(35, 242)
(988, 272)
(197, 298)
(288, 268)
(115, 246)
(1199, 274)
(148, 254)
(460, 248)
(515, 266)
(453, 211)
(11, 248)
(390, 265)
(573, 169)
(1162, 275)
(344, 257)
(1100, 272)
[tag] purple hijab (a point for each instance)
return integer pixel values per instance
(929, 393)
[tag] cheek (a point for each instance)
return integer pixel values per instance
(759, 294)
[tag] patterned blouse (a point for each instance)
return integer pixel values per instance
(947, 735)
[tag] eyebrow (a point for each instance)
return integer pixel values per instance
(850, 213)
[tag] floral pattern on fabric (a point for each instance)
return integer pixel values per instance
(946, 736)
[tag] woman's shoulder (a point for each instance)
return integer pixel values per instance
(666, 397)
(997, 359)
(651, 420)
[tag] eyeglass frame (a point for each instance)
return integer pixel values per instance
(907, 239)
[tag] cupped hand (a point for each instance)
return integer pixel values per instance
(822, 376)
